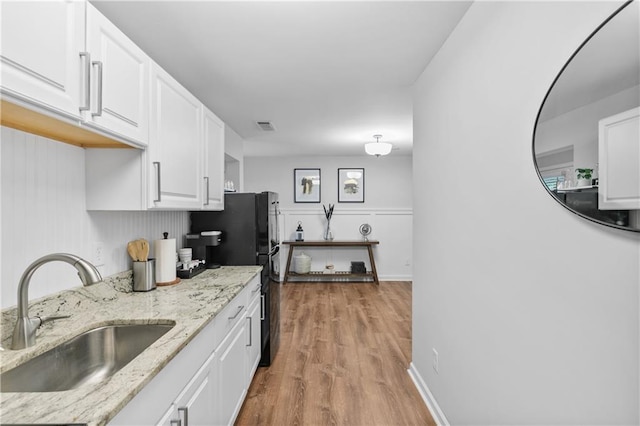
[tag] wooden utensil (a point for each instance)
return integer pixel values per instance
(132, 250)
(144, 250)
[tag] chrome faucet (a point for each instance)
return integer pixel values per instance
(24, 334)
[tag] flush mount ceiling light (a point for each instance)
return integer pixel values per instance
(377, 148)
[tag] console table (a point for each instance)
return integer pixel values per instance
(321, 276)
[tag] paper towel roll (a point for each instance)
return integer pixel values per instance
(165, 251)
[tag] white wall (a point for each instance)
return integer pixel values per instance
(43, 211)
(388, 180)
(387, 208)
(234, 157)
(534, 311)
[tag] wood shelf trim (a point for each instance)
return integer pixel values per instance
(21, 118)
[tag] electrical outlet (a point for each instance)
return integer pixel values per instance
(436, 367)
(98, 254)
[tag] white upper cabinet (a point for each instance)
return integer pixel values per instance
(182, 167)
(214, 162)
(40, 54)
(65, 60)
(176, 144)
(119, 76)
(619, 161)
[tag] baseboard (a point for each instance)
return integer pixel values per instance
(395, 277)
(427, 396)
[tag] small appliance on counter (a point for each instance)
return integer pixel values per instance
(204, 246)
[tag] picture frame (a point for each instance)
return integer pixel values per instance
(351, 185)
(306, 185)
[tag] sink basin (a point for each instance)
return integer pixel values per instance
(88, 358)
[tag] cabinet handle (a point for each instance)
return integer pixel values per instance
(98, 113)
(258, 287)
(240, 308)
(157, 165)
(206, 178)
(184, 415)
(250, 331)
(262, 307)
(176, 423)
(87, 81)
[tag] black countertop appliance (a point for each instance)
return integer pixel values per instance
(250, 236)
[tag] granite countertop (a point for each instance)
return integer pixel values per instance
(191, 304)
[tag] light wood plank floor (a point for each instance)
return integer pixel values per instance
(343, 358)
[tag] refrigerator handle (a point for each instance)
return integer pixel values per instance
(277, 214)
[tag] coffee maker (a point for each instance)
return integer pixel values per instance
(205, 247)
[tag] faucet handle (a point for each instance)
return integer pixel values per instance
(51, 318)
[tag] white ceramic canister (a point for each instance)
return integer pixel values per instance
(302, 263)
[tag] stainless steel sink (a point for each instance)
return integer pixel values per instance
(88, 358)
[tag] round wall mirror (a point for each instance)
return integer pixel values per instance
(586, 143)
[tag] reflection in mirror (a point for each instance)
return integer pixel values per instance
(587, 139)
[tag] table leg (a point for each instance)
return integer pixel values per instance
(373, 265)
(286, 271)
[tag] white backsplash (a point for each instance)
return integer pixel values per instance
(43, 211)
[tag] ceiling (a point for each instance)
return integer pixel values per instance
(328, 75)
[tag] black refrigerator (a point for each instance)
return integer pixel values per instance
(249, 227)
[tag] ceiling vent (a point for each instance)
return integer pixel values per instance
(266, 126)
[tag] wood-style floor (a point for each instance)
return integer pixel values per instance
(343, 358)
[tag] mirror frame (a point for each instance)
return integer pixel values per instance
(544, 101)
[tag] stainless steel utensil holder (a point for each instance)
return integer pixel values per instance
(144, 275)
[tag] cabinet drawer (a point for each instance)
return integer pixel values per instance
(233, 313)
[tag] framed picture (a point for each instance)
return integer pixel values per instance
(351, 185)
(306, 185)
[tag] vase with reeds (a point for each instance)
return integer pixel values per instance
(328, 212)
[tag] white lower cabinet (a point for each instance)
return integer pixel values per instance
(254, 346)
(194, 405)
(207, 382)
(231, 361)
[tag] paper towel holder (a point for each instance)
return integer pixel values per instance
(171, 259)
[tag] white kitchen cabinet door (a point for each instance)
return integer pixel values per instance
(196, 403)
(119, 81)
(619, 161)
(40, 54)
(231, 377)
(214, 162)
(254, 346)
(175, 145)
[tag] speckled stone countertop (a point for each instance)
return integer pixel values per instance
(191, 304)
